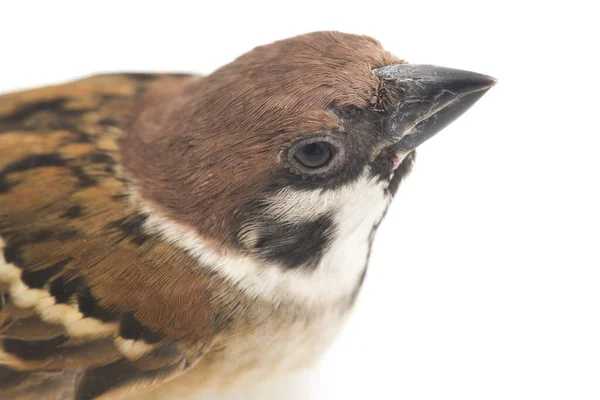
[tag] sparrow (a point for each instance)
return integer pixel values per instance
(163, 235)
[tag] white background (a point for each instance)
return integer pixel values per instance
(485, 277)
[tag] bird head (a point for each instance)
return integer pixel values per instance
(290, 155)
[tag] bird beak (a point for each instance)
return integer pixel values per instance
(430, 98)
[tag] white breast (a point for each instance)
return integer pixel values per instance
(254, 355)
(276, 341)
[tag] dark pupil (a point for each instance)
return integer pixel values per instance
(313, 154)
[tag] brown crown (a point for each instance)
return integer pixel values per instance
(203, 148)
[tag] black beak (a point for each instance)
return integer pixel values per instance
(429, 99)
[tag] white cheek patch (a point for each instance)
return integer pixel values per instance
(355, 209)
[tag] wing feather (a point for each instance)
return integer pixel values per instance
(91, 304)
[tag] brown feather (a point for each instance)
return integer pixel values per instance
(85, 289)
(73, 238)
(211, 140)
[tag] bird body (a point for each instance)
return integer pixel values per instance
(164, 234)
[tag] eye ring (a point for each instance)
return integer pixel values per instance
(314, 154)
(315, 157)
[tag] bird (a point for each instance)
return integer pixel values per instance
(165, 235)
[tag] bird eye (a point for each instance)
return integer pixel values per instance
(314, 155)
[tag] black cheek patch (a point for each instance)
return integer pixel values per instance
(297, 245)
